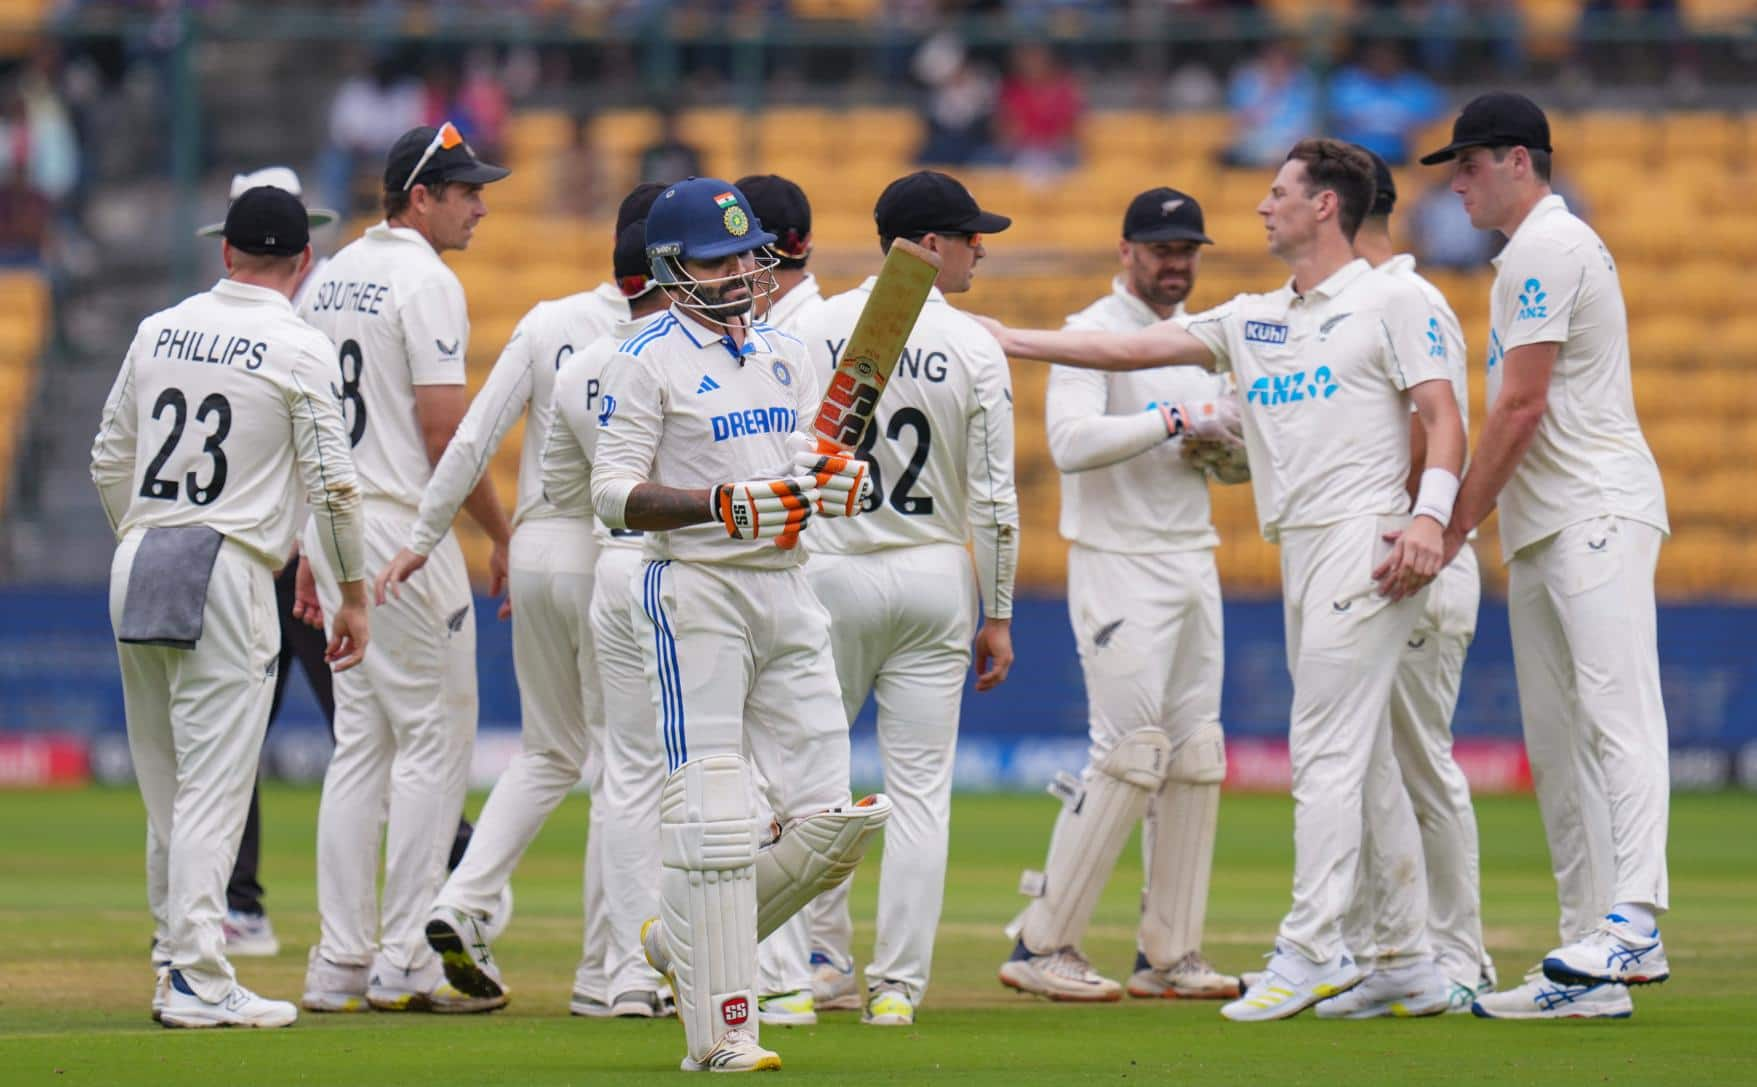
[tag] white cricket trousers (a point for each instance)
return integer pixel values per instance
(1586, 653)
(1152, 652)
(405, 724)
(625, 806)
(196, 719)
(1344, 643)
(550, 567)
(904, 619)
(1417, 803)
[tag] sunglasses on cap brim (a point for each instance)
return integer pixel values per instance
(446, 138)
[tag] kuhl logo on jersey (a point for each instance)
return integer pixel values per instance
(1533, 302)
(1292, 388)
(740, 424)
(1265, 332)
(1436, 341)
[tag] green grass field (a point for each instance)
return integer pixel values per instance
(73, 1009)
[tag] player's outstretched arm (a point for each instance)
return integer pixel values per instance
(1164, 344)
(1506, 435)
(438, 410)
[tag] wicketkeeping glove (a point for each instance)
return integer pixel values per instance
(763, 508)
(842, 479)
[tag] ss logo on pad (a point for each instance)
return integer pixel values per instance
(735, 1011)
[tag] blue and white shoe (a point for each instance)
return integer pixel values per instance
(1540, 998)
(1290, 984)
(1616, 952)
(1462, 996)
(239, 1007)
(833, 985)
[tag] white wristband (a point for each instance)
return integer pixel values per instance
(1439, 489)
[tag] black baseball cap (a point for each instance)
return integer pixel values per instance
(432, 156)
(1496, 119)
(1164, 215)
(635, 206)
(1384, 185)
(783, 210)
(929, 202)
(268, 221)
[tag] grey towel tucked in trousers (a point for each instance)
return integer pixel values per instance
(167, 586)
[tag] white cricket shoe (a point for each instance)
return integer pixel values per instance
(422, 989)
(791, 1009)
(1613, 952)
(1462, 996)
(333, 987)
(1411, 991)
(460, 940)
(1061, 975)
(1541, 998)
(238, 1008)
(833, 986)
(642, 1004)
(249, 935)
(1189, 978)
(1290, 984)
(587, 1006)
(736, 1051)
(888, 1005)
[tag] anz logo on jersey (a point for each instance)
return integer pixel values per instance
(743, 424)
(1436, 341)
(1533, 302)
(1292, 388)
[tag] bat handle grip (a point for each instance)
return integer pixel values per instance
(787, 541)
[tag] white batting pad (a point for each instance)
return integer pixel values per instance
(1178, 841)
(707, 897)
(811, 856)
(1089, 834)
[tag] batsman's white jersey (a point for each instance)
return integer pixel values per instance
(784, 957)
(735, 644)
(1323, 376)
(551, 562)
(220, 416)
(625, 800)
(1144, 601)
(898, 580)
(1423, 790)
(1582, 520)
(406, 718)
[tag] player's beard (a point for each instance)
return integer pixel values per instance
(1164, 296)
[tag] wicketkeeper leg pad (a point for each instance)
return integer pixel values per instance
(1097, 815)
(707, 897)
(812, 855)
(1179, 843)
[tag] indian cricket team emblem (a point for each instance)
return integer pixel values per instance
(782, 374)
(735, 1011)
(737, 223)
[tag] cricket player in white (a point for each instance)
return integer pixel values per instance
(899, 580)
(736, 645)
(406, 722)
(552, 557)
(217, 432)
(784, 994)
(1421, 790)
(1582, 518)
(625, 801)
(1328, 366)
(1144, 601)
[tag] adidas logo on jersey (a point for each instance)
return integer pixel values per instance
(708, 385)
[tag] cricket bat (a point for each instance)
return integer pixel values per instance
(872, 350)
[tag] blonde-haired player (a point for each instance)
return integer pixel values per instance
(1582, 519)
(1144, 601)
(217, 431)
(899, 580)
(405, 722)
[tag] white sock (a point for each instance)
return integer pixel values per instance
(1637, 914)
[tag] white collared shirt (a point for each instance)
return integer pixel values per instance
(398, 319)
(1555, 282)
(222, 416)
(523, 377)
(1321, 380)
(682, 406)
(1125, 487)
(940, 444)
(573, 432)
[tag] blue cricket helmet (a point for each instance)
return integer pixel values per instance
(700, 218)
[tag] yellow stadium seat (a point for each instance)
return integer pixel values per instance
(624, 131)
